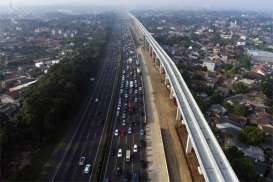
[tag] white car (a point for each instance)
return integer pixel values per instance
(129, 130)
(119, 152)
(135, 148)
(116, 132)
(123, 122)
(96, 100)
(82, 160)
(87, 168)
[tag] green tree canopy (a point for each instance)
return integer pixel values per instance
(242, 165)
(252, 135)
(240, 88)
(267, 86)
(216, 97)
(240, 109)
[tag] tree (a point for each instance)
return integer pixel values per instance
(240, 88)
(242, 165)
(267, 86)
(216, 97)
(244, 61)
(252, 135)
(228, 106)
(203, 105)
(240, 109)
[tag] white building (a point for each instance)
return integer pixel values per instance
(210, 65)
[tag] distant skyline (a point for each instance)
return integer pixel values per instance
(207, 4)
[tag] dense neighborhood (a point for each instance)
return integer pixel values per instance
(226, 58)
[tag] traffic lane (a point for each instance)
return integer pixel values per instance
(69, 156)
(117, 143)
(65, 164)
(75, 158)
(125, 150)
(116, 140)
(96, 130)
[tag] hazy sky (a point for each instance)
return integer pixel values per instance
(234, 4)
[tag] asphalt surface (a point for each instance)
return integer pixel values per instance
(85, 138)
(130, 116)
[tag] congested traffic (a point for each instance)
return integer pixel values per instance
(126, 160)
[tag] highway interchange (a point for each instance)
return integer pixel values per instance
(113, 121)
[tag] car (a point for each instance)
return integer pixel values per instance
(116, 132)
(135, 148)
(82, 160)
(87, 168)
(123, 123)
(118, 171)
(120, 152)
(123, 115)
(129, 130)
(96, 100)
(141, 132)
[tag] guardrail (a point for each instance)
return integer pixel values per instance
(212, 160)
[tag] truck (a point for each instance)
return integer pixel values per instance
(128, 155)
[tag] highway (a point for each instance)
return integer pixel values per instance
(84, 139)
(126, 158)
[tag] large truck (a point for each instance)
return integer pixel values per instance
(128, 155)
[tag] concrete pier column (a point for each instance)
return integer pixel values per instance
(178, 114)
(188, 145)
(171, 94)
(157, 61)
(161, 69)
(149, 49)
(145, 42)
(166, 80)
